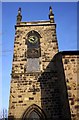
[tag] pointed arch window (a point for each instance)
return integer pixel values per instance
(33, 51)
(33, 44)
(34, 112)
(33, 115)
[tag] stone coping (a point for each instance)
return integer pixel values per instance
(69, 52)
(34, 23)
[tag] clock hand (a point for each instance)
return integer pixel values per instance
(32, 39)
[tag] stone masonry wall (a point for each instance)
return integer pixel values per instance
(71, 69)
(53, 90)
(44, 87)
(25, 87)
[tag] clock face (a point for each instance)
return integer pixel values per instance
(33, 39)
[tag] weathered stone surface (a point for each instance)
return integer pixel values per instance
(33, 88)
(53, 87)
(71, 69)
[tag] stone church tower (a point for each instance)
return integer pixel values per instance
(38, 89)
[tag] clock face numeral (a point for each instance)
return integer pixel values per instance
(33, 39)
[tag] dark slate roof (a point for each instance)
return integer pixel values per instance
(69, 52)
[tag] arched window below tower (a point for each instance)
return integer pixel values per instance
(34, 112)
(33, 115)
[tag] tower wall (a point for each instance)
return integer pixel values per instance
(26, 86)
(37, 80)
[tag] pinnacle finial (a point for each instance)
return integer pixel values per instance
(50, 9)
(51, 15)
(19, 11)
(19, 16)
